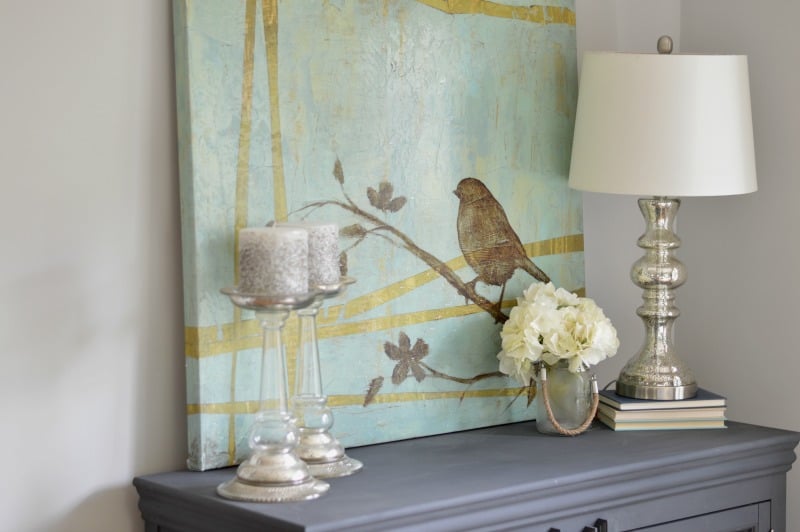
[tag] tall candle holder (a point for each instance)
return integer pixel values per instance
(273, 472)
(322, 452)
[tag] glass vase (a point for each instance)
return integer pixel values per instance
(569, 395)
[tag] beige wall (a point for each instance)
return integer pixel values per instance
(91, 389)
(91, 384)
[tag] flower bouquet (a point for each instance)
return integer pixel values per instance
(554, 329)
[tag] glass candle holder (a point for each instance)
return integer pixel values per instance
(322, 452)
(273, 472)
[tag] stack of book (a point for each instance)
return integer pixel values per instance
(706, 410)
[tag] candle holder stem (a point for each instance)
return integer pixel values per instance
(309, 373)
(322, 452)
(273, 472)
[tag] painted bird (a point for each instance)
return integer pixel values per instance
(489, 244)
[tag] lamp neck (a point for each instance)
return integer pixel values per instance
(659, 213)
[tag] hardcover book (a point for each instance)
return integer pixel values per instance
(682, 424)
(703, 399)
(669, 414)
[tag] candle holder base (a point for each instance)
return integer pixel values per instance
(324, 455)
(340, 468)
(267, 477)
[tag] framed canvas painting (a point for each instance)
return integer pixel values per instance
(436, 134)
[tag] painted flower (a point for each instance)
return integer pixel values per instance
(550, 324)
(407, 358)
(384, 198)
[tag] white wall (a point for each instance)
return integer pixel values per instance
(739, 308)
(91, 387)
(91, 383)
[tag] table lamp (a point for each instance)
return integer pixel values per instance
(660, 126)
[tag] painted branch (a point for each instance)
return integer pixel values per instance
(461, 380)
(437, 265)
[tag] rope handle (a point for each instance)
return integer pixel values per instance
(552, 419)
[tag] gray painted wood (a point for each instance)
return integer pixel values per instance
(510, 477)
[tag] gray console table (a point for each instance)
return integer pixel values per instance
(512, 478)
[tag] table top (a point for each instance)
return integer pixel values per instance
(492, 468)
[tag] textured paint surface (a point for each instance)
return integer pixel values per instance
(368, 115)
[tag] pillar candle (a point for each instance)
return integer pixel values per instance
(273, 261)
(323, 251)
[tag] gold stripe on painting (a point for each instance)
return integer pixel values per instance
(251, 333)
(362, 304)
(251, 407)
(248, 340)
(537, 14)
(245, 126)
(242, 179)
(215, 340)
(270, 21)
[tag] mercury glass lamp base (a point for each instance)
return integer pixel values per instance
(656, 372)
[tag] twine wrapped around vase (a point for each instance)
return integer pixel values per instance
(548, 407)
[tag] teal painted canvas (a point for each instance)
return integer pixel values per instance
(437, 135)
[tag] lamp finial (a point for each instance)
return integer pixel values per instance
(664, 44)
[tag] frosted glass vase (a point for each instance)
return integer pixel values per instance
(569, 395)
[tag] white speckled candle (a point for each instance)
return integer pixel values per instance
(273, 261)
(323, 251)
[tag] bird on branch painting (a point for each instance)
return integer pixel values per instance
(490, 245)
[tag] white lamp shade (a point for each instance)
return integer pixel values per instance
(663, 125)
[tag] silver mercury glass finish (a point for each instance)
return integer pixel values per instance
(656, 372)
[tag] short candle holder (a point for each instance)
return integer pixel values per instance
(273, 472)
(322, 452)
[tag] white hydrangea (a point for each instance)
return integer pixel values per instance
(550, 324)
